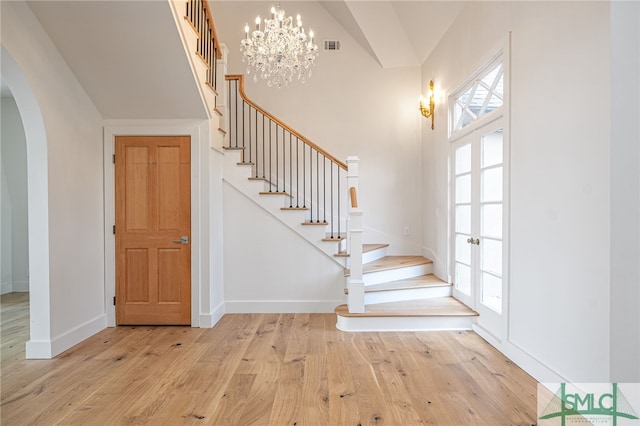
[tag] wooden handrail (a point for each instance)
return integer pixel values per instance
(240, 78)
(214, 34)
(354, 197)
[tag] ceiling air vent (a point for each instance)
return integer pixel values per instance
(332, 45)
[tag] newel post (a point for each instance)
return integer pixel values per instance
(355, 284)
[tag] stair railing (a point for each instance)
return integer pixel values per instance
(207, 48)
(289, 162)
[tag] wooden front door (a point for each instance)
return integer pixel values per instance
(153, 229)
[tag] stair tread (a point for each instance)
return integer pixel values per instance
(274, 193)
(423, 281)
(394, 262)
(366, 248)
(434, 307)
(262, 179)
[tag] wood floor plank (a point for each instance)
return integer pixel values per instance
(343, 407)
(261, 369)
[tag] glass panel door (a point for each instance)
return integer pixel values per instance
(491, 188)
(463, 221)
(477, 211)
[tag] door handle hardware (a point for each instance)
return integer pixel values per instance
(475, 241)
(183, 240)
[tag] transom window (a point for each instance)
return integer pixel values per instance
(483, 94)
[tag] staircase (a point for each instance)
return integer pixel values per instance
(315, 195)
(241, 176)
(402, 294)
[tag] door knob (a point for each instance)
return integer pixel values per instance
(470, 240)
(183, 240)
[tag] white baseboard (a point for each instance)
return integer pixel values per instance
(281, 306)
(211, 319)
(6, 287)
(535, 368)
(14, 287)
(44, 349)
(439, 269)
(20, 286)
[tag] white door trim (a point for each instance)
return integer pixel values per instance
(495, 326)
(198, 244)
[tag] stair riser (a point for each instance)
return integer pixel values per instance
(405, 323)
(397, 274)
(374, 255)
(406, 294)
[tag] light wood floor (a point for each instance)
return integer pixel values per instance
(267, 369)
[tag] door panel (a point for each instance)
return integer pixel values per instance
(137, 164)
(463, 219)
(137, 270)
(478, 225)
(490, 211)
(169, 265)
(153, 214)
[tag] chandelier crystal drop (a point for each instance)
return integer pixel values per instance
(277, 50)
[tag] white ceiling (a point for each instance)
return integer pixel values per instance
(124, 53)
(397, 33)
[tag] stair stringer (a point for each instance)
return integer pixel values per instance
(238, 176)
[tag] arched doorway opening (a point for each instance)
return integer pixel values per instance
(39, 344)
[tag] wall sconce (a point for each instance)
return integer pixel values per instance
(427, 111)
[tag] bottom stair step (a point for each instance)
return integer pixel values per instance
(441, 313)
(418, 288)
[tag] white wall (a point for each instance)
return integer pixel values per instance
(14, 169)
(269, 268)
(75, 201)
(560, 174)
(350, 106)
(625, 191)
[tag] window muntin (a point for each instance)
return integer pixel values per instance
(481, 96)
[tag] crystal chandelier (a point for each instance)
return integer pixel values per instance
(280, 50)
